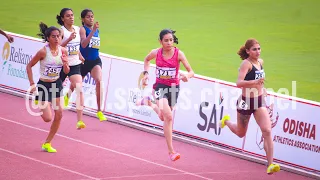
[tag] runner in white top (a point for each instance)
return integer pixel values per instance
(71, 40)
(53, 59)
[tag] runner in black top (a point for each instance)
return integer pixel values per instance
(251, 80)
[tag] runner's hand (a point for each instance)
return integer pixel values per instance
(96, 26)
(184, 77)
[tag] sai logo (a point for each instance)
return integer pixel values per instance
(5, 54)
(215, 116)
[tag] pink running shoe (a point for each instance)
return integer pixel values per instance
(174, 156)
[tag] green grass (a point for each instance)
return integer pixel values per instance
(210, 33)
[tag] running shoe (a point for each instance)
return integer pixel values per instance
(48, 148)
(174, 156)
(66, 101)
(80, 125)
(223, 120)
(273, 168)
(101, 116)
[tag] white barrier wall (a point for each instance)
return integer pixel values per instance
(89, 88)
(202, 103)
(294, 133)
(124, 90)
(201, 106)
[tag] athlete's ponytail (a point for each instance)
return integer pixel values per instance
(243, 53)
(59, 20)
(45, 31)
(84, 13)
(167, 31)
(59, 17)
(175, 39)
(243, 49)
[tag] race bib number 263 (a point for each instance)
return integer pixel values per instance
(52, 71)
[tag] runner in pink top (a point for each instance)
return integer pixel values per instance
(166, 87)
(167, 69)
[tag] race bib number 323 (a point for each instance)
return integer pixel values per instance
(94, 43)
(259, 74)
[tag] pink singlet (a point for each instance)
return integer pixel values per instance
(167, 71)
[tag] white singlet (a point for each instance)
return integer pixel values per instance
(51, 66)
(73, 46)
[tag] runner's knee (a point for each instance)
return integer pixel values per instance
(241, 134)
(167, 116)
(266, 132)
(46, 119)
(58, 114)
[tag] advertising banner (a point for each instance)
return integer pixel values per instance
(13, 62)
(125, 89)
(295, 133)
(89, 87)
(201, 106)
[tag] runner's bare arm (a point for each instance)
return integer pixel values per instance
(265, 92)
(10, 38)
(86, 40)
(35, 59)
(148, 58)
(81, 57)
(186, 64)
(66, 68)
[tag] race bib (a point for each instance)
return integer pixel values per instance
(166, 73)
(259, 74)
(157, 94)
(73, 49)
(94, 43)
(243, 105)
(52, 71)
